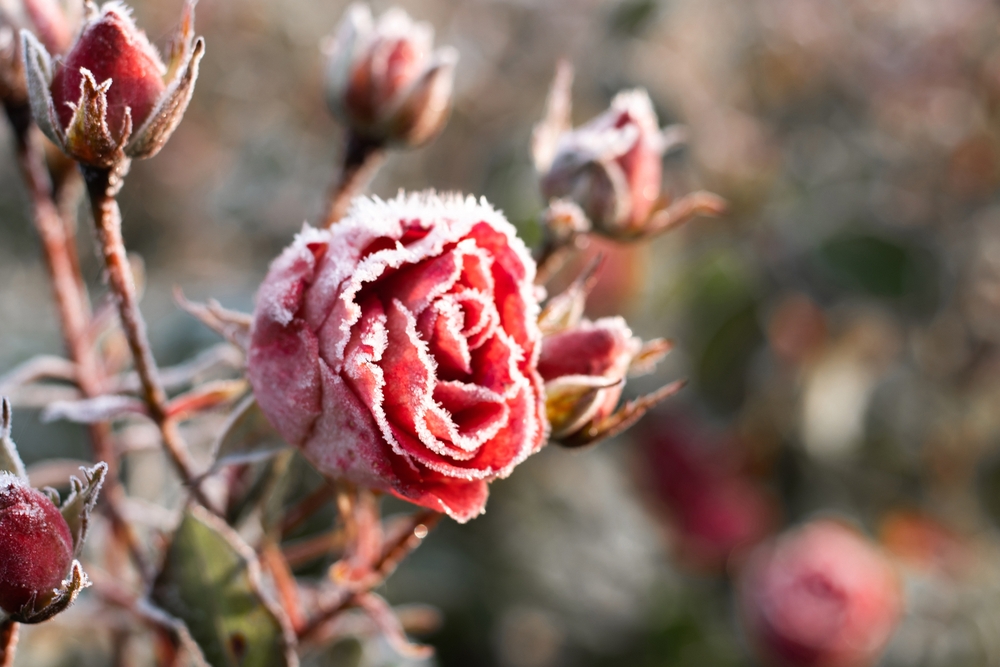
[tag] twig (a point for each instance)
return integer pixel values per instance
(362, 158)
(102, 186)
(106, 588)
(301, 552)
(393, 553)
(8, 642)
(306, 507)
(272, 558)
(59, 250)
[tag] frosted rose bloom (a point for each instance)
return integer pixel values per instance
(821, 596)
(398, 349)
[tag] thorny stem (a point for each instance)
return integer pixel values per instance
(8, 642)
(102, 186)
(362, 158)
(73, 307)
(392, 554)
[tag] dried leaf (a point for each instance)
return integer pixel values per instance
(211, 581)
(566, 308)
(650, 354)
(623, 418)
(232, 325)
(206, 397)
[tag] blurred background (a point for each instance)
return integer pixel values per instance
(839, 327)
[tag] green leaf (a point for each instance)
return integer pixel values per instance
(210, 580)
(10, 460)
(80, 503)
(247, 437)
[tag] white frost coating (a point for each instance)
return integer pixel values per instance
(600, 140)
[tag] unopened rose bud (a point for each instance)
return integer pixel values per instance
(820, 596)
(584, 368)
(384, 81)
(112, 97)
(610, 166)
(36, 547)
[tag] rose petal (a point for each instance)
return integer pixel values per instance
(441, 327)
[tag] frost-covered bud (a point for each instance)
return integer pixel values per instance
(610, 166)
(584, 368)
(384, 81)
(112, 97)
(36, 547)
(820, 596)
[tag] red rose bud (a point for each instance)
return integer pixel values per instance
(584, 368)
(398, 349)
(610, 166)
(820, 596)
(36, 547)
(112, 97)
(384, 82)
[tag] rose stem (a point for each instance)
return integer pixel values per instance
(72, 305)
(8, 642)
(362, 158)
(392, 555)
(102, 186)
(112, 593)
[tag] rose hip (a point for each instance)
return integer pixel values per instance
(36, 547)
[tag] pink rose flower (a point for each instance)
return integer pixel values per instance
(398, 349)
(820, 596)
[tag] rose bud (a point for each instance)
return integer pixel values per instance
(111, 97)
(37, 552)
(820, 596)
(584, 368)
(384, 82)
(610, 166)
(398, 349)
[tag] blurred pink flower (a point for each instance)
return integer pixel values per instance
(714, 508)
(384, 82)
(398, 349)
(819, 596)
